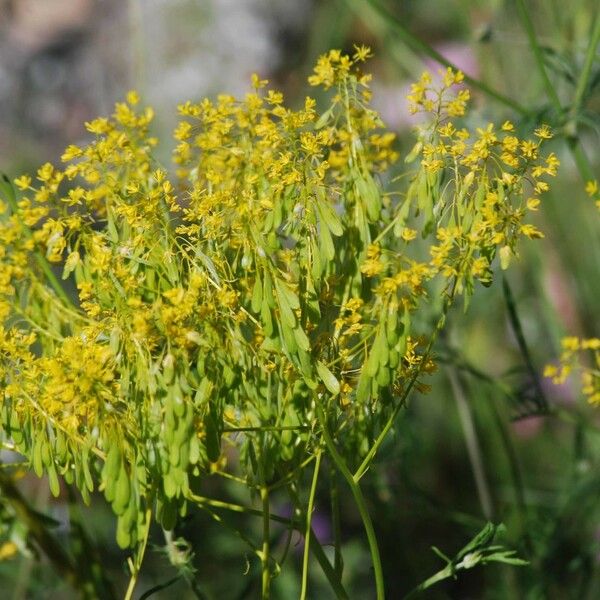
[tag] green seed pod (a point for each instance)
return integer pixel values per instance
(173, 451)
(257, 294)
(178, 401)
(364, 386)
(285, 297)
(87, 476)
(368, 191)
(111, 471)
(212, 440)
(53, 480)
(169, 485)
(317, 265)
(328, 215)
(268, 290)
(194, 454)
(36, 459)
(45, 453)
(61, 449)
(328, 378)
(184, 455)
(288, 339)
(326, 243)
(124, 531)
(267, 320)
(69, 477)
(122, 491)
(394, 359)
(372, 365)
(383, 376)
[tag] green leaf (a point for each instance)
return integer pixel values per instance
(328, 378)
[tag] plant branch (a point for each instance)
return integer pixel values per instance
(586, 71)
(358, 498)
(309, 511)
(538, 55)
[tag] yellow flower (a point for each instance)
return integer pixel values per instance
(408, 234)
(591, 188)
(531, 231)
(361, 53)
(8, 550)
(23, 182)
(543, 132)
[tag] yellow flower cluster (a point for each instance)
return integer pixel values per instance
(582, 355)
(269, 273)
(593, 191)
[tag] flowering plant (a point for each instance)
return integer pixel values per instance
(266, 308)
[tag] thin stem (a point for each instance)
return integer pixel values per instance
(538, 54)
(266, 428)
(586, 71)
(472, 443)
(518, 331)
(515, 472)
(139, 557)
(309, 511)
(338, 564)
(360, 502)
(315, 546)
(264, 555)
(202, 501)
(581, 160)
(380, 17)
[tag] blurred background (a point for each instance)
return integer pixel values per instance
(536, 461)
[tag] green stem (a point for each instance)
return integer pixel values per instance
(586, 71)
(515, 472)
(332, 576)
(202, 501)
(309, 511)
(518, 331)
(360, 502)
(264, 555)
(538, 54)
(581, 160)
(375, 14)
(338, 564)
(139, 558)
